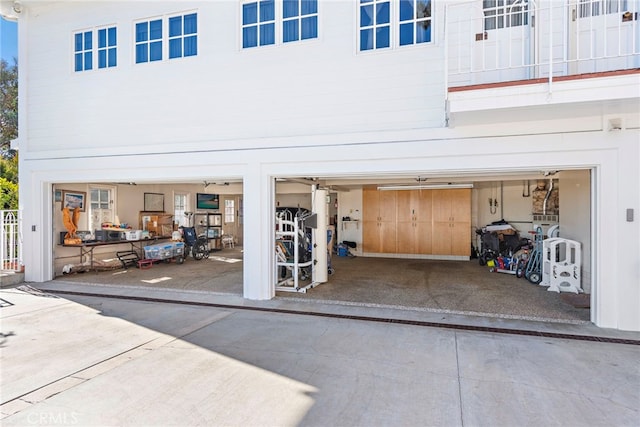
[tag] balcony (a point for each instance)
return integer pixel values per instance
(554, 51)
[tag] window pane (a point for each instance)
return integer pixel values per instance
(423, 34)
(423, 9)
(102, 58)
(78, 42)
(88, 40)
(155, 30)
(88, 61)
(155, 51)
(190, 46)
(78, 62)
(111, 37)
(290, 8)
(290, 30)
(142, 33)
(382, 37)
(250, 37)
(366, 16)
(406, 34)
(267, 34)
(191, 23)
(102, 38)
(112, 62)
(142, 53)
(366, 39)
(309, 7)
(175, 26)
(382, 13)
(267, 11)
(406, 10)
(310, 28)
(250, 13)
(175, 48)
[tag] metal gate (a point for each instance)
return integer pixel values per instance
(10, 240)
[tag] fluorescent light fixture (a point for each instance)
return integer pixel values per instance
(424, 186)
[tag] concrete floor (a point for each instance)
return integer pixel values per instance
(451, 287)
(97, 361)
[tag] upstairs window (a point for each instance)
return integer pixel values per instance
(299, 20)
(505, 13)
(183, 36)
(83, 51)
(415, 21)
(149, 41)
(89, 55)
(375, 24)
(107, 47)
(258, 23)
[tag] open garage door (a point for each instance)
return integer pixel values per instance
(416, 242)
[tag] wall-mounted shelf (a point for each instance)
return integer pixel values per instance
(345, 224)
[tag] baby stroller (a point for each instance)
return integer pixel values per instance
(198, 246)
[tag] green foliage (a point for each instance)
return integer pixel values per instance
(8, 194)
(8, 107)
(9, 169)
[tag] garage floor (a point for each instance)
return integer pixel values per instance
(462, 287)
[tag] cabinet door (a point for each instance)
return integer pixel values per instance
(405, 225)
(441, 243)
(405, 206)
(461, 238)
(460, 205)
(423, 238)
(371, 236)
(406, 237)
(461, 222)
(370, 201)
(388, 239)
(442, 205)
(387, 206)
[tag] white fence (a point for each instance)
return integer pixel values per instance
(508, 40)
(10, 240)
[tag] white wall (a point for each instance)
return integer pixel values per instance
(229, 117)
(224, 92)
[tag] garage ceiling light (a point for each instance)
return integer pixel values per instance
(424, 186)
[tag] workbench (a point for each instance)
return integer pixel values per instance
(87, 248)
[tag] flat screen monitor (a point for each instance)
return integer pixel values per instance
(206, 201)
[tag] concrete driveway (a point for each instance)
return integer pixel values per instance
(109, 360)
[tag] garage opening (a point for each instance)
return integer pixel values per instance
(186, 236)
(464, 244)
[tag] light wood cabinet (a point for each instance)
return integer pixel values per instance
(452, 222)
(426, 222)
(414, 217)
(379, 221)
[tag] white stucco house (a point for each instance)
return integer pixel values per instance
(347, 94)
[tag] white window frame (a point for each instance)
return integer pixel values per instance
(112, 203)
(394, 32)
(184, 221)
(94, 49)
(164, 19)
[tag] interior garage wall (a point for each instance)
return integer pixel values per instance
(575, 217)
(350, 205)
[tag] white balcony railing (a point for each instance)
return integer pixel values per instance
(507, 40)
(10, 240)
